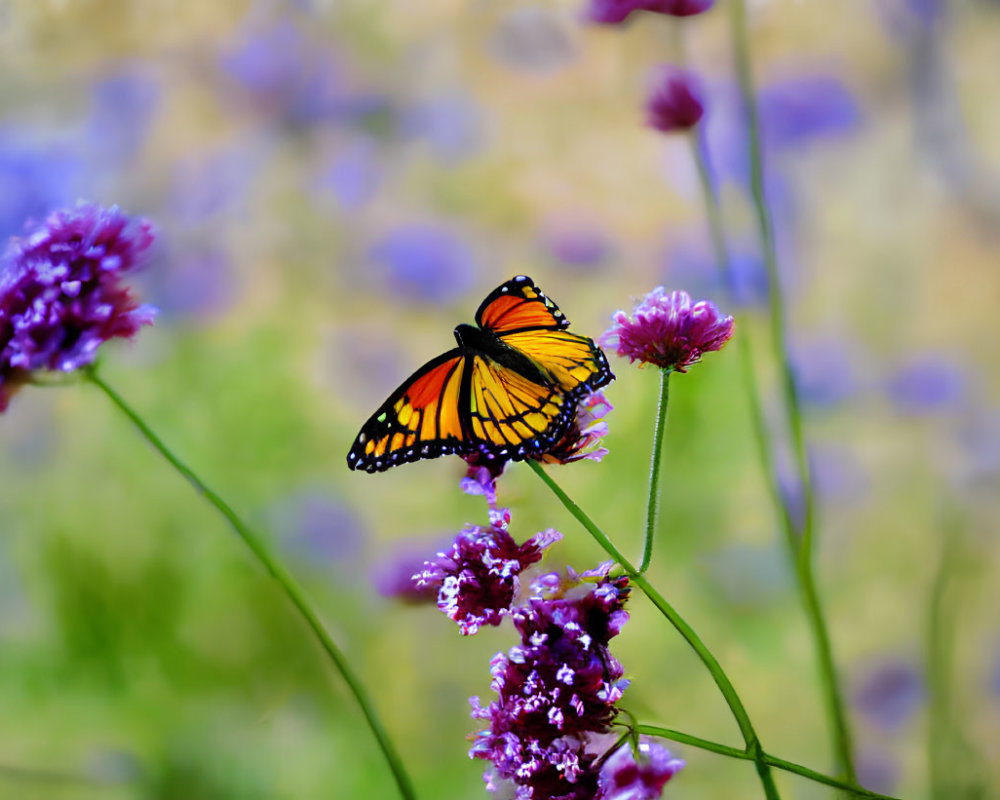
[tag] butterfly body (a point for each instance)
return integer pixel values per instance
(508, 390)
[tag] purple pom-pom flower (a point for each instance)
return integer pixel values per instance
(624, 778)
(669, 330)
(675, 101)
(477, 578)
(556, 689)
(614, 12)
(61, 295)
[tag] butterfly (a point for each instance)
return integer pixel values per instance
(509, 390)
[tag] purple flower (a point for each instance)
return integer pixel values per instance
(613, 12)
(61, 295)
(623, 778)
(675, 101)
(576, 243)
(927, 385)
(890, 693)
(583, 435)
(555, 689)
(424, 262)
(668, 330)
(477, 579)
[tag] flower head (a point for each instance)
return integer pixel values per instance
(613, 12)
(555, 689)
(61, 295)
(477, 578)
(675, 100)
(624, 778)
(668, 330)
(584, 433)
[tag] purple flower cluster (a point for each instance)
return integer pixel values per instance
(668, 330)
(477, 578)
(614, 12)
(556, 689)
(61, 295)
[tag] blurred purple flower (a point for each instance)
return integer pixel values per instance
(319, 528)
(35, 178)
(623, 778)
(824, 371)
(693, 265)
(674, 99)
(354, 174)
(197, 281)
(927, 385)
(122, 110)
(423, 262)
(477, 578)
(451, 124)
(668, 330)
(612, 12)
(794, 113)
(395, 575)
(889, 693)
(555, 689)
(61, 295)
(576, 243)
(799, 111)
(877, 770)
(532, 39)
(209, 184)
(285, 76)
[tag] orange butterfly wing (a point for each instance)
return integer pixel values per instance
(519, 304)
(419, 420)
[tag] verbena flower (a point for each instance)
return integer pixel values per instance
(61, 295)
(675, 101)
(668, 330)
(613, 12)
(623, 778)
(583, 435)
(556, 689)
(477, 578)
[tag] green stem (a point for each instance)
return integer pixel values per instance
(778, 763)
(284, 579)
(753, 746)
(653, 503)
(801, 551)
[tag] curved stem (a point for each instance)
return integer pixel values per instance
(653, 503)
(774, 761)
(753, 747)
(291, 588)
(802, 551)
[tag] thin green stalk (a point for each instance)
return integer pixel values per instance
(653, 503)
(774, 761)
(753, 746)
(802, 550)
(281, 575)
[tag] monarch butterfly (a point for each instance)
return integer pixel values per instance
(509, 390)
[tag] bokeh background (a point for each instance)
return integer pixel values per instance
(336, 185)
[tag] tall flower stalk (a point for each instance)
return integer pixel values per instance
(288, 584)
(799, 542)
(753, 747)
